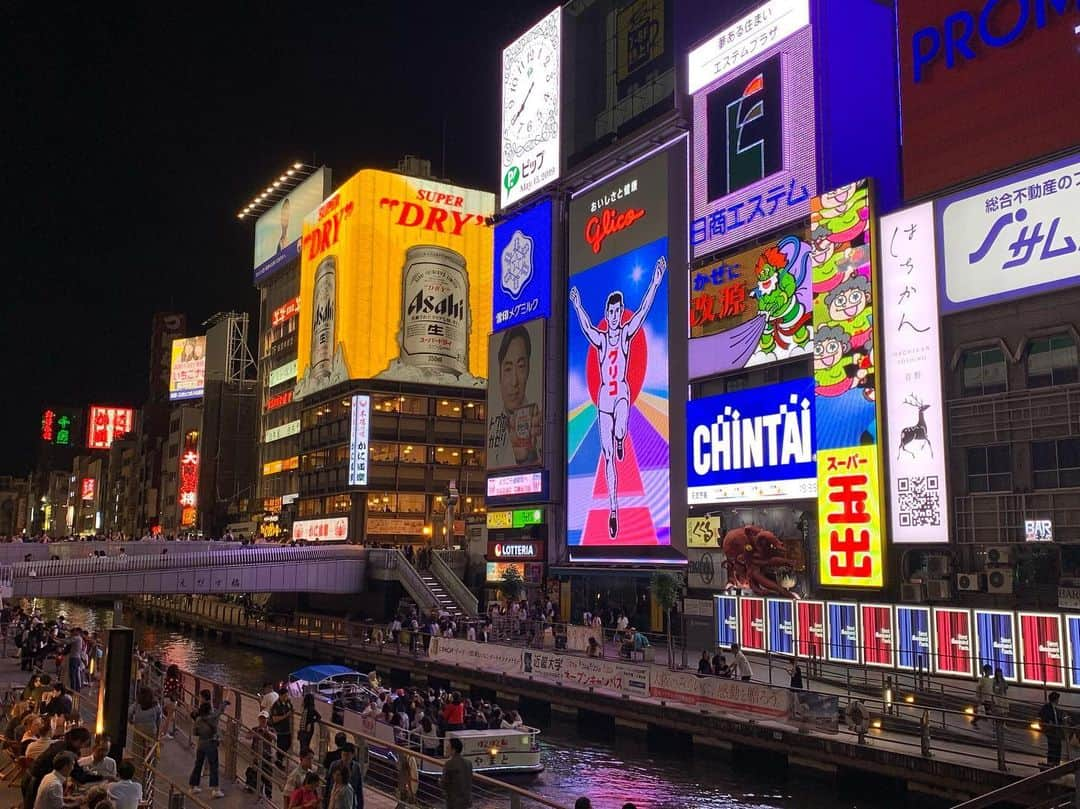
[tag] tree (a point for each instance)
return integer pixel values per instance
(666, 588)
(512, 585)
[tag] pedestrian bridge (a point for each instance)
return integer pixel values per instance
(252, 569)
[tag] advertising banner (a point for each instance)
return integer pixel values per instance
(914, 406)
(278, 231)
(394, 282)
(781, 626)
(810, 638)
(515, 397)
(587, 672)
(281, 431)
(753, 444)
(518, 518)
(473, 655)
(754, 140)
(727, 620)
(752, 624)
(531, 572)
(332, 529)
(718, 694)
(88, 488)
(995, 642)
(359, 435)
(877, 634)
(850, 552)
(577, 637)
(187, 485)
(108, 424)
(618, 453)
(380, 526)
(952, 641)
(187, 374)
(704, 531)
(815, 711)
(522, 289)
(287, 311)
(843, 629)
(752, 308)
(1010, 238)
(913, 638)
(1072, 634)
(1043, 659)
(512, 488)
(531, 106)
(974, 74)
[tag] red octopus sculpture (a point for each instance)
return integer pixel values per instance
(749, 552)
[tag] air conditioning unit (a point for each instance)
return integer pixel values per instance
(999, 555)
(1000, 581)
(938, 590)
(912, 592)
(970, 582)
(939, 567)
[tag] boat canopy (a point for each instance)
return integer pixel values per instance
(314, 674)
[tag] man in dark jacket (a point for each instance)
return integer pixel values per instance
(355, 777)
(1052, 720)
(74, 741)
(457, 778)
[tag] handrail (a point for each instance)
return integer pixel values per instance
(394, 559)
(1021, 788)
(462, 595)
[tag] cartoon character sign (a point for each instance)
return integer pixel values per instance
(617, 401)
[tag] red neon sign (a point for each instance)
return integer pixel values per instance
(287, 310)
(608, 223)
(48, 426)
(189, 480)
(89, 485)
(108, 424)
(282, 399)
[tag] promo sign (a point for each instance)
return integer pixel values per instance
(1043, 657)
(515, 400)
(521, 550)
(843, 632)
(188, 480)
(522, 288)
(913, 648)
(1010, 238)
(281, 431)
(704, 531)
(519, 518)
(754, 138)
(850, 552)
(359, 435)
(88, 488)
(287, 311)
(995, 642)
(781, 626)
(187, 373)
(528, 486)
(752, 445)
(531, 80)
(914, 405)
(332, 529)
(278, 231)
(952, 641)
(618, 454)
(107, 424)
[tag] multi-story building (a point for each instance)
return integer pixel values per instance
(120, 495)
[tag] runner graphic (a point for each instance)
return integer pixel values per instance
(613, 395)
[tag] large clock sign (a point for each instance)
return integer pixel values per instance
(530, 110)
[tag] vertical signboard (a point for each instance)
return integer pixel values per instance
(995, 642)
(753, 126)
(531, 100)
(877, 634)
(752, 624)
(843, 632)
(618, 453)
(913, 403)
(522, 288)
(727, 620)
(107, 424)
(810, 637)
(188, 480)
(781, 626)
(952, 641)
(515, 397)
(850, 552)
(359, 435)
(1042, 662)
(913, 638)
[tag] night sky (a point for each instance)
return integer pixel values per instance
(135, 132)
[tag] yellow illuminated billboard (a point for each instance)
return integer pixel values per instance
(395, 284)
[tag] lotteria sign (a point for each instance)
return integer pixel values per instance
(752, 445)
(522, 551)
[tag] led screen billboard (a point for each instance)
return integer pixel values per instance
(108, 424)
(752, 624)
(1010, 238)
(515, 397)
(522, 288)
(995, 642)
(394, 284)
(843, 632)
(754, 139)
(913, 638)
(850, 552)
(330, 529)
(984, 85)
(618, 453)
(877, 634)
(727, 620)
(278, 231)
(914, 406)
(781, 626)
(753, 444)
(1043, 649)
(187, 374)
(752, 308)
(810, 638)
(952, 641)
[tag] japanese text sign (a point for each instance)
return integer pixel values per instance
(332, 529)
(913, 402)
(522, 282)
(108, 424)
(1010, 238)
(359, 434)
(89, 486)
(188, 477)
(58, 427)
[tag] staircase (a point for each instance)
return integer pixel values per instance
(445, 602)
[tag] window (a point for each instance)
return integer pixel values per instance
(474, 457)
(383, 453)
(381, 503)
(411, 453)
(338, 504)
(310, 508)
(1051, 361)
(474, 411)
(448, 456)
(448, 408)
(1055, 464)
(412, 504)
(473, 505)
(412, 405)
(989, 469)
(984, 371)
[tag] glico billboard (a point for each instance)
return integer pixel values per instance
(985, 85)
(395, 284)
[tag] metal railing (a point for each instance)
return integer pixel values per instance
(455, 587)
(394, 559)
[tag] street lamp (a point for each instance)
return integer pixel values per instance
(452, 498)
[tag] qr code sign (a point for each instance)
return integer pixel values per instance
(920, 501)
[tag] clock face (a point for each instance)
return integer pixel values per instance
(531, 95)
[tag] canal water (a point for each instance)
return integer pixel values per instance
(609, 770)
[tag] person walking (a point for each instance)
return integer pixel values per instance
(299, 775)
(281, 717)
(1052, 720)
(340, 793)
(456, 778)
(984, 695)
(348, 769)
(205, 734)
(260, 773)
(741, 664)
(309, 718)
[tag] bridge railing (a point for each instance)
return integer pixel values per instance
(462, 595)
(394, 559)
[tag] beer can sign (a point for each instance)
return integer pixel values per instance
(322, 329)
(435, 318)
